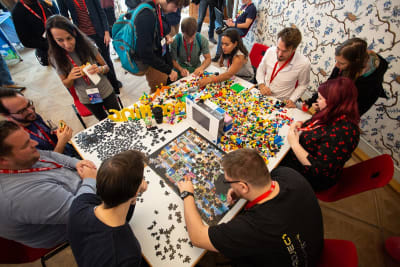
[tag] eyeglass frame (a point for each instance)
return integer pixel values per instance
(25, 109)
(233, 182)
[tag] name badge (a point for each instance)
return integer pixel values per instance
(94, 96)
(164, 46)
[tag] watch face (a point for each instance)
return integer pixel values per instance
(184, 194)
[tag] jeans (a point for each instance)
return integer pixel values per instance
(105, 53)
(219, 46)
(99, 110)
(5, 77)
(202, 13)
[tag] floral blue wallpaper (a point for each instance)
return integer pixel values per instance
(325, 24)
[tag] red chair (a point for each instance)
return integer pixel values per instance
(337, 253)
(361, 177)
(257, 53)
(14, 252)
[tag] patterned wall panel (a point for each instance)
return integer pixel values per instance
(325, 24)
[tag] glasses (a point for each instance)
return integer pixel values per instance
(25, 109)
(232, 182)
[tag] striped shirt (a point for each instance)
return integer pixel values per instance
(85, 24)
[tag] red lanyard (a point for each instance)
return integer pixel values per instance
(273, 75)
(43, 133)
(74, 64)
(56, 166)
(189, 55)
(263, 196)
(44, 19)
(313, 127)
(159, 19)
(229, 63)
(84, 5)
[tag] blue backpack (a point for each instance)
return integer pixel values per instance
(124, 39)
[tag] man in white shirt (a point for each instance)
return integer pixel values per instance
(283, 72)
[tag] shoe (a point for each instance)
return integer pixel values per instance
(17, 88)
(212, 40)
(119, 84)
(216, 58)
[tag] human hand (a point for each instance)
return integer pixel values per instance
(264, 90)
(168, 39)
(204, 81)
(173, 76)
(293, 134)
(93, 69)
(315, 106)
(185, 185)
(198, 71)
(184, 72)
(75, 73)
(86, 163)
(231, 196)
(84, 171)
(230, 23)
(289, 103)
(107, 38)
(64, 135)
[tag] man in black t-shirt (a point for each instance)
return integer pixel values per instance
(281, 224)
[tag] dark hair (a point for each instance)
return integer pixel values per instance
(179, 3)
(82, 43)
(341, 99)
(247, 165)
(291, 36)
(234, 36)
(6, 128)
(119, 177)
(4, 93)
(189, 26)
(355, 51)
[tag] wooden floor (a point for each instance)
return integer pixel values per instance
(366, 219)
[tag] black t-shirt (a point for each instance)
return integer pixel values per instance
(284, 231)
(95, 244)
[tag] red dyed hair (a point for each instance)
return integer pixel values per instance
(341, 99)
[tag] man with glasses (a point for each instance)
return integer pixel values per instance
(281, 224)
(37, 188)
(17, 108)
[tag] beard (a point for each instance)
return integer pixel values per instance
(27, 119)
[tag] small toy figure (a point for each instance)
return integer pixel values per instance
(148, 122)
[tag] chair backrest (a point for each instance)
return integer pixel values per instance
(83, 111)
(361, 177)
(257, 53)
(14, 252)
(336, 253)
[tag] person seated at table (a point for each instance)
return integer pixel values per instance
(69, 49)
(98, 225)
(15, 107)
(268, 231)
(284, 72)
(328, 138)
(244, 19)
(364, 67)
(187, 48)
(235, 58)
(37, 189)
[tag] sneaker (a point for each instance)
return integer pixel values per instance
(216, 58)
(212, 40)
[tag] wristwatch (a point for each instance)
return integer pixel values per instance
(184, 194)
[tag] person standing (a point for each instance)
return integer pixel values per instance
(5, 77)
(90, 18)
(69, 49)
(202, 14)
(30, 18)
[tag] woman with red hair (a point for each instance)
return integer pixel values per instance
(329, 137)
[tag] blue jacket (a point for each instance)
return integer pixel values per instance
(96, 14)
